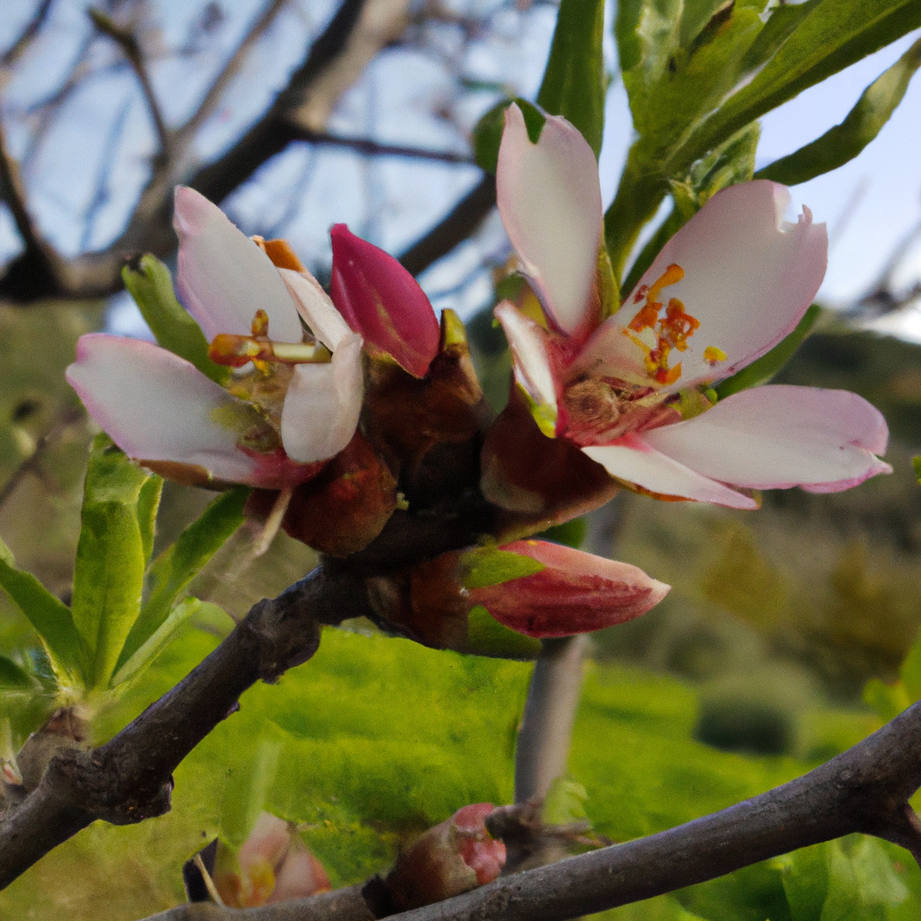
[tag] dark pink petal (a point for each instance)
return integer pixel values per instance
(576, 593)
(383, 302)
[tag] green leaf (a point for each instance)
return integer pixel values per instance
(862, 882)
(109, 570)
(845, 141)
(571, 533)
(50, 617)
(564, 802)
(574, 81)
(14, 677)
(151, 285)
(136, 663)
(487, 637)
(769, 364)
(172, 571)
(248, 785)
(830, 36)
(916, 466)
(491, 566)
(487, 136)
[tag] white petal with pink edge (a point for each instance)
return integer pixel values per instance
(633, 460)
(322, 405)
(157, 407)
(223, 277)
(533, 370)
(748, 276)
(550, 202)
(316, 308)
(778, 436)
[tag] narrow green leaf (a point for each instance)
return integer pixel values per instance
(13, 677)
(109, 570)
(574, 81)
(148, 503)
(768, 365)
(172, 571)
(156, 642)
(487, 136)
(845, 141)
(832, 35)
(151, 285)
(916, 465)
(487, 637)
(491, 566)
(248, 785)
(861, 880)
(50, 617)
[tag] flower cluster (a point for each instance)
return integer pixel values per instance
(360, 411)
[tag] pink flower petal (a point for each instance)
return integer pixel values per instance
(748, 276)
(575, 593)
(223, 277)
(158, 407)
(322, 405)
(533, 369)
(633, 460)
(383, 302)
(550, 203)
(316, 308)
(779, 436)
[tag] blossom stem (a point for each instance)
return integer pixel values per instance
(546, 727)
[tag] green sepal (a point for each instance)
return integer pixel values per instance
(51, 618)
(176, 566)
(484, 566)
(769, 364)
(151, 286)
(574, 80)
(571, 533)
(487, 136)
(862, 124)
(487, 637)
(115, 534)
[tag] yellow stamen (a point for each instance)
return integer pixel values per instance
(713, 355)
(237, 351)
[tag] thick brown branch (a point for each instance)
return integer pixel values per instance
(129, 778)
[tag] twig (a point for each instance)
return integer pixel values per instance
(131, 48)
(14, 194)
(25, 38)
(231, 68)
(66, 418)
(465, 217)
(376, 149)
(546, 728)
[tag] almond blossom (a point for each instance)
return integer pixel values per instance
(293, 401)
(632, 390)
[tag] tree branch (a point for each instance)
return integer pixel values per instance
(129, 778)
(26, 37)
(336, 59)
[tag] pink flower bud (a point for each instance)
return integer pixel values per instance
(576, 592)
(383, 302)
(451, 858)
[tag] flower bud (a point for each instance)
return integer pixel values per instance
(383, 302)
(451, 858)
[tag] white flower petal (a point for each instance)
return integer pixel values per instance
(748, 276)
(322, 405)
(550, 202)
(157, 407)
(612, 353)
(633, 460)
(779, 436)
(527, 340)
(316, 308)
(224, 277)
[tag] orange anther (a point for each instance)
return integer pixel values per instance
(261, 323)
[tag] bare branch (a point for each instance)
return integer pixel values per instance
(230, 69)
(457, 226)
(131, 48)
(375, 149)
(25, 38)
